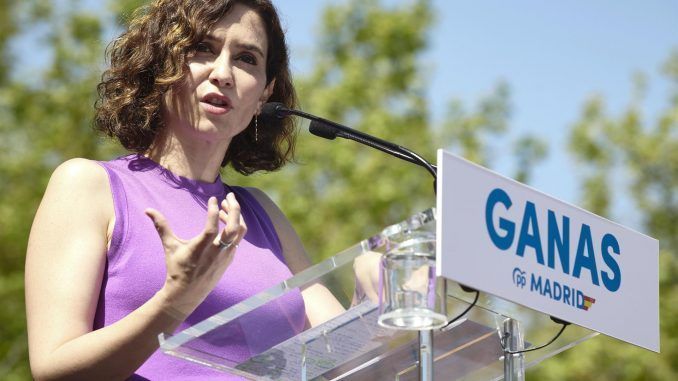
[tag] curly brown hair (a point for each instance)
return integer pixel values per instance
(149, 59)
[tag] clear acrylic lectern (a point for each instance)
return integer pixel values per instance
(353, 346)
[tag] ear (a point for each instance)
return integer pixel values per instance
(268, 90)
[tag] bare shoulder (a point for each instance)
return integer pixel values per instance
(79, 172)
(77, 187)
(77, 204)
(73, 217)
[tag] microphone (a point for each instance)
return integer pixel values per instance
(274, 110)
(330, 130)
(322, 130)
(277, 110)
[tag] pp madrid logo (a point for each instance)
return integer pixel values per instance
(519, 278)
(552, 289)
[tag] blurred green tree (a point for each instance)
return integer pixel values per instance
(625, 157)
(368, 74)
(51, 56)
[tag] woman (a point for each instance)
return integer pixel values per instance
(124, 250)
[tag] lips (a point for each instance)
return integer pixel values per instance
(215, 103)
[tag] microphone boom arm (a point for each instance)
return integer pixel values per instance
(330, 130)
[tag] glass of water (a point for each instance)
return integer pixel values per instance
(409, 285)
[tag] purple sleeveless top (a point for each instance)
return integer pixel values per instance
(135, 267)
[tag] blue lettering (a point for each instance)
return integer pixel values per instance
(547, 288)
(580, 299)
(526, 239)
(557, 290)
(566, 296)
(585, 261)
(502, 232)
(558, 241)
(610, 242)
(535, 283)
(501, 242)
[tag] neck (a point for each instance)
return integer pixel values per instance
(190, 158)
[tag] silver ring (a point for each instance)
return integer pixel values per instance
(225, 245)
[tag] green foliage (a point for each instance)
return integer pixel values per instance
(470, 131)
(646, 157)
(367, 76)
(14, 344)
(8, 28)
(45, 118)
(528, 150)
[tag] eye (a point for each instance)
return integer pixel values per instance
(203, 47)
(248, 58)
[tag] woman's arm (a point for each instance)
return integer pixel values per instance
(64, 269)
(321, 305)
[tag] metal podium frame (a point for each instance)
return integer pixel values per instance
(352, 346)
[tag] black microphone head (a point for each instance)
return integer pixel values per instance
(274, 110)
(322, 130)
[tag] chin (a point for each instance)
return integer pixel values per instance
(216, 132)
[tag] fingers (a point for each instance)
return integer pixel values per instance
(161, 225)
(212, 222)
(235, 225)
(223, 216)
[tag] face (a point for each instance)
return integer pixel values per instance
(226, 86)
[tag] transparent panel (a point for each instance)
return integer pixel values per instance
(352, 345)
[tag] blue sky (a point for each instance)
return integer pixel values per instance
(554, 56)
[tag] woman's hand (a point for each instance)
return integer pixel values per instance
(195, 266)
(366, 268)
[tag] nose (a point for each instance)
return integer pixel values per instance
(222, 72)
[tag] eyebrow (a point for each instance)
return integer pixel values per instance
(252, 47)
(239, 45)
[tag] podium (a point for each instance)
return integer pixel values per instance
(353, 346)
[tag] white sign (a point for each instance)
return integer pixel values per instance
(507, 239)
